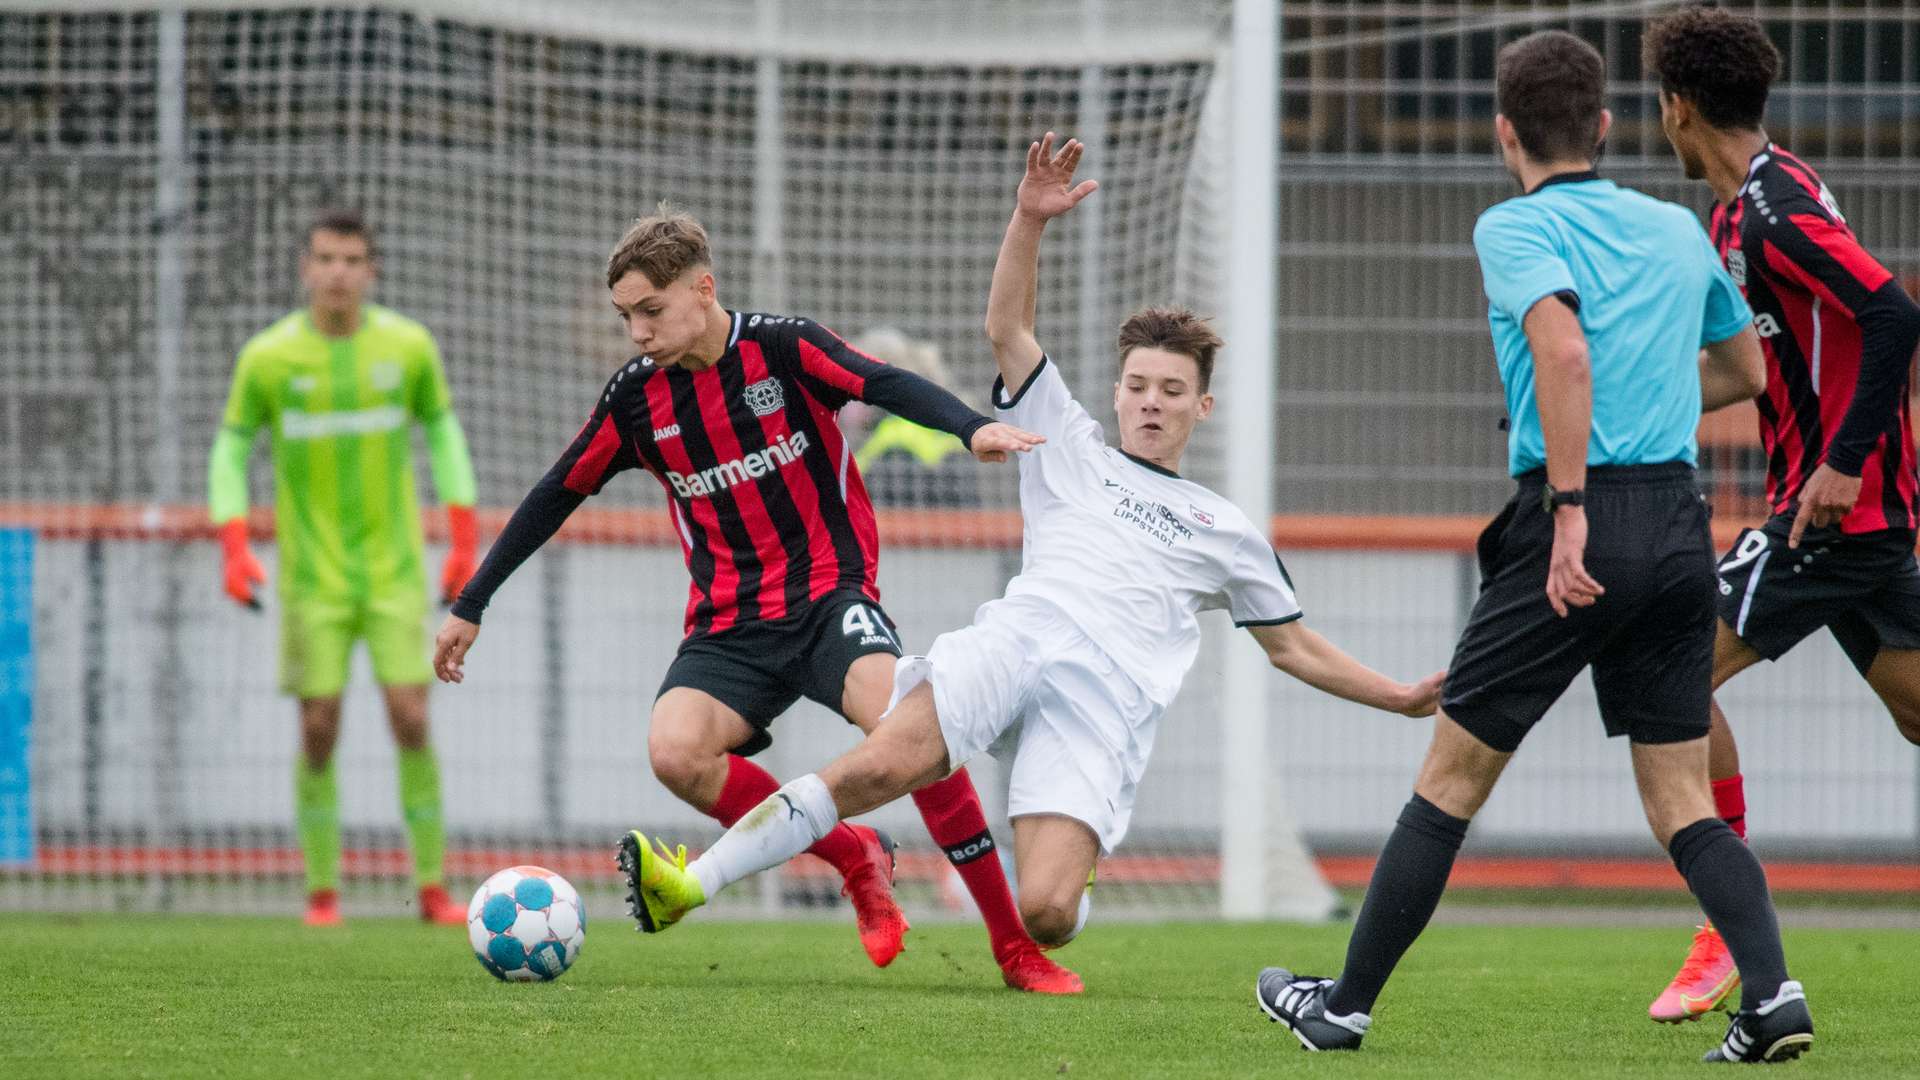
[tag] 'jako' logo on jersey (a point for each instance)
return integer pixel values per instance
(765, 398)
(662, 434)
(750, 467)
(1765, 325)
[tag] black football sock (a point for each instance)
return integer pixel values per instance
(1732, 890)
(1406, 887)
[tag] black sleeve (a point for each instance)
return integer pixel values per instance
(540, 515)
(1804, 244)
(1889, 332)
(838, 372)
(596, 454)
(1808, 246)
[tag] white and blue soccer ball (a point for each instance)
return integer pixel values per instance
(526, 924)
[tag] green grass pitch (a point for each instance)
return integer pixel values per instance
(204, 996)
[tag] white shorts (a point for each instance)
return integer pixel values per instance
(1024, 683)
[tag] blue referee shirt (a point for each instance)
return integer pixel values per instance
(1651, 291)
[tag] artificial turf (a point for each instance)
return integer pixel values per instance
(239, 996)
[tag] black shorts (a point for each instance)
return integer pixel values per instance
(1865, 588)
(1649, 639)
(761, 668)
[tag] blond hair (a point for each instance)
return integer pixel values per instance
(891, 346)
(663, 246)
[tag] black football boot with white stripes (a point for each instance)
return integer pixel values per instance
(1300, 1002)
(1780, 1030)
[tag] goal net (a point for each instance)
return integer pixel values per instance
(854, 161)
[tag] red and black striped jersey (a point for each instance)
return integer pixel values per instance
(761, 485)
(1811, 286)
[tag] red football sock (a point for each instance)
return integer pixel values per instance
(1730, 802)
(748, 785)
(958, 823)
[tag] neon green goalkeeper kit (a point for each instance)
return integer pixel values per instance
(338, 410)
(352, 559)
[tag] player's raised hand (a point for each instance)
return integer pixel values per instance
(1828, 497)
(1048, 190)
(1423, 697)
(450, 647)
(995, 441)
(240, 571)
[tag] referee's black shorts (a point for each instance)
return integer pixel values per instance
(1649, 639)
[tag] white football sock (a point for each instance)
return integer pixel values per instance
(786, 824)
(1086, 910)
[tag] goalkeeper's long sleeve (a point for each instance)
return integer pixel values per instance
(453, 478)
(227, 476)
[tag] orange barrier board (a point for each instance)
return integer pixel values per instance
(969, 529)
(1343, 871)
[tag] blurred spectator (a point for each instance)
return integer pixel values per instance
(905, 464)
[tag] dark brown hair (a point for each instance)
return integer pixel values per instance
(662, 246)
(1721, 61)
(346, 222)
(1552, 87)
(1175, 329)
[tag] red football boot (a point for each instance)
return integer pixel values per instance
(1704, 981)
(323, 908)
(437, 907)
(883, 927)
(1025, 968)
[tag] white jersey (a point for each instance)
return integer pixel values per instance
(1128, 550)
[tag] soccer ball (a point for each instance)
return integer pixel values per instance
(526, 924)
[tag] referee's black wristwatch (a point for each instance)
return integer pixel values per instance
(1551, 500)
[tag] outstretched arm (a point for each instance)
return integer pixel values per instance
(837, 366)
(539, 516)
(1321, 664)
(598, 452)
(1046, 191)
